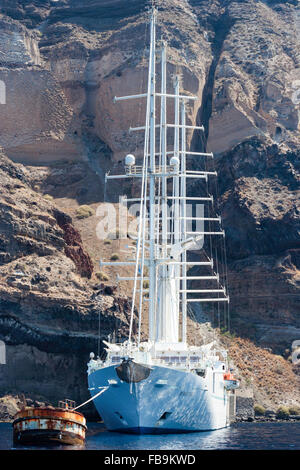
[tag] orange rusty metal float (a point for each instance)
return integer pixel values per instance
(48, 425)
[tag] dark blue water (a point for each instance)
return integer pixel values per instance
(241, 436)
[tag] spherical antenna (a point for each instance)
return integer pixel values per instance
(174, 161)
(129, 160)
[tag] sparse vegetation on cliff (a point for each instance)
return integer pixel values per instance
(259, 410)
(84, 211)
(283, 412)
(48, 197)
(102, 276)
(294, 410)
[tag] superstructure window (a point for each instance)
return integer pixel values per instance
(195, 358)
(175, 359)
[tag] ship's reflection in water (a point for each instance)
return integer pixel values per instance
(252, 436)
(261, 436)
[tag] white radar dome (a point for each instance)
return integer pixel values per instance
(174, 161)
(129, 160)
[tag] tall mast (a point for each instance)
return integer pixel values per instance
(164, 150)
(160, 323)
(152, 225)
(183, 217)
(176, 205)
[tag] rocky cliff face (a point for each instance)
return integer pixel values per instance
(62, 63)
(49, 311)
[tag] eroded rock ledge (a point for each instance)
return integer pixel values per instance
(49, 310)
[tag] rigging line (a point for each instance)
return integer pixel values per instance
(141, 84)
(210, 212)
(156, 289)
(173, 215)
(222, 249)
(117, 324)
(226, 282)
(100, 307)
(218, 306)
(158, 204)
(99, 314)
(142, 219)
(221, 270)
(173, 302)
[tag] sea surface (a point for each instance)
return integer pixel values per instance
(240, 436)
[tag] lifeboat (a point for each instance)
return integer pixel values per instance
(47, 425)
(230, 382)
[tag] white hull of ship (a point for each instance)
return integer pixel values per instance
(167, 401)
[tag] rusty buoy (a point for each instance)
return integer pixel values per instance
(47, 425)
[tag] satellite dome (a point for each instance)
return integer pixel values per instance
(129, 160)
(174, 161)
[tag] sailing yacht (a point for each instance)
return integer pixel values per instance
(164, 385)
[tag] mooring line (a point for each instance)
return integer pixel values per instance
(95, 396)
